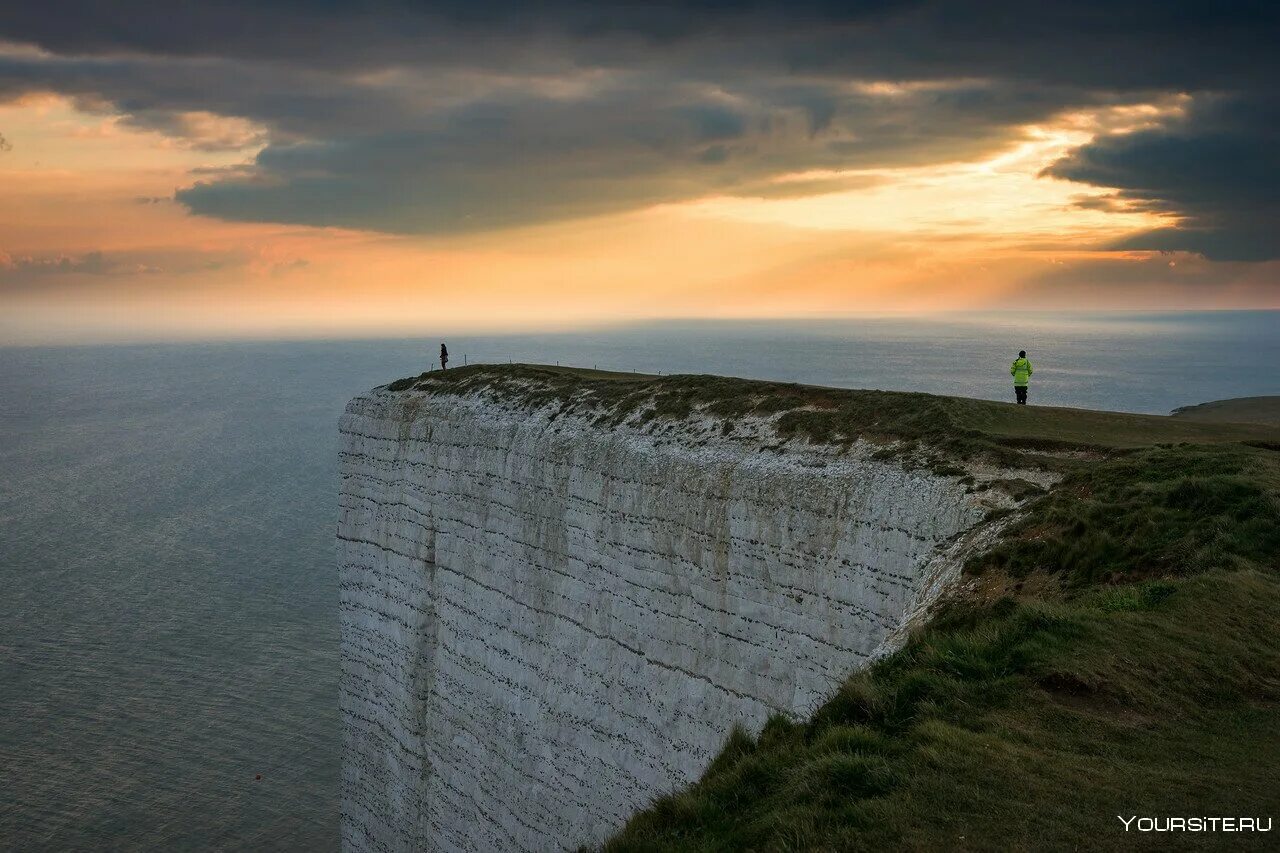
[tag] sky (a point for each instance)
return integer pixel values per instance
(313, 168)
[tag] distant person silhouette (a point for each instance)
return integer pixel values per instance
(444, 357)
(1021, 372)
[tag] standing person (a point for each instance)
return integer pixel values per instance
(1021, 372)
(444, 357)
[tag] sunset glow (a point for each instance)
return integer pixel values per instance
(120, 220)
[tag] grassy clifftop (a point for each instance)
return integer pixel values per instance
(1116, 653)
(832, 414)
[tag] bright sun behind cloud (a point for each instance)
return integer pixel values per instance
(1002, 199)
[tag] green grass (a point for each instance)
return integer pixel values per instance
(1157, 511)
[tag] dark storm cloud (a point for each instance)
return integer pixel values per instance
(1150, 42)
(1110, 45)
(424, 117)
(374, 33)
(294, 102)
(1219, 169)
(530, 159)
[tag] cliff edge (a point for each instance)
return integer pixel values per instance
(561, 591)
(555, 608)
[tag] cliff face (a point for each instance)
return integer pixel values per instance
(548, 621)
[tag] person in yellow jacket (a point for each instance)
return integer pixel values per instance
(1021, 372)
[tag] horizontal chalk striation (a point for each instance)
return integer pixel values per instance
(547, 622)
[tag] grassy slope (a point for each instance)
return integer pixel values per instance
(1117, 653)
(1245, 410)
(1025, 724)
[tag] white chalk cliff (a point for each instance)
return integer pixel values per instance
(548, 621)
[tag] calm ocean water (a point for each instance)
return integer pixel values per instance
(168, 628)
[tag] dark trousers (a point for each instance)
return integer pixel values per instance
(1020, 391)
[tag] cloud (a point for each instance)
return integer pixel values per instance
(1218, 169)
(398, 31)
(199, 129)
(448, 116)
(89, 263)
(1108, 203)
(523, 159)
(1156, 38)
(43, 270)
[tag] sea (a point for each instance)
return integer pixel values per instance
(168, 593)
